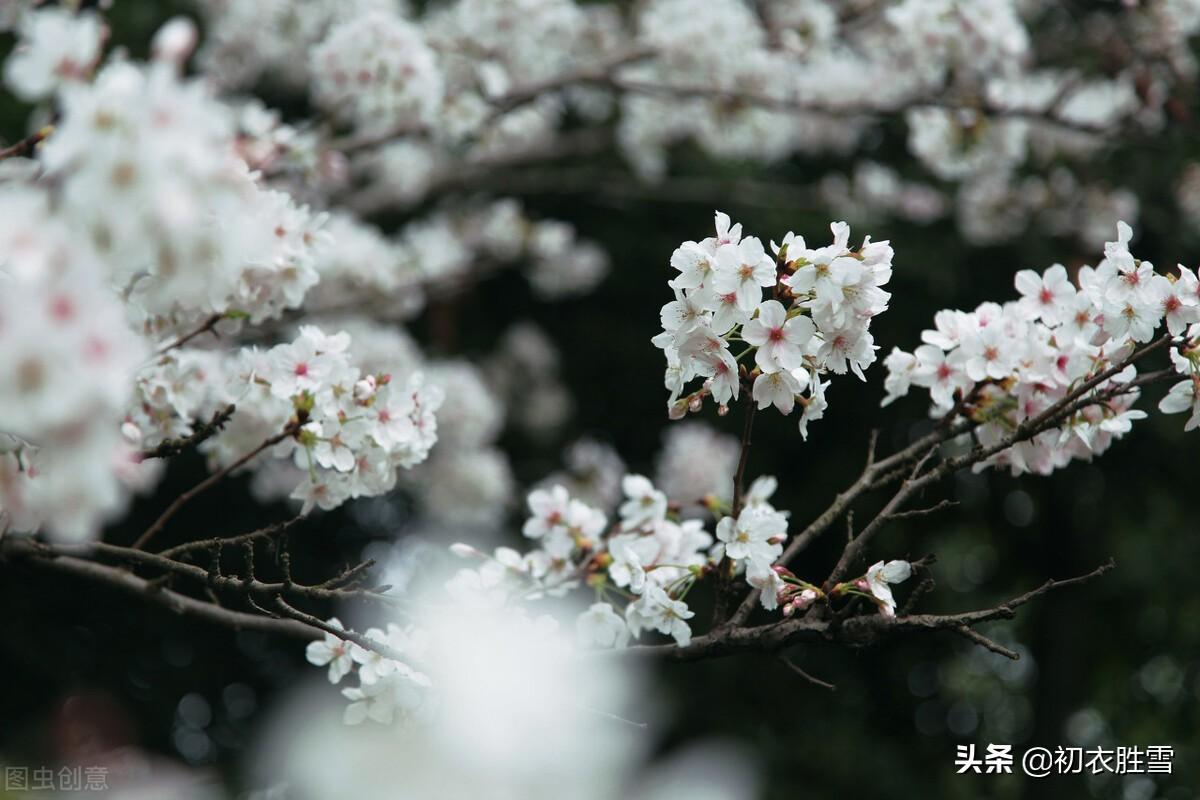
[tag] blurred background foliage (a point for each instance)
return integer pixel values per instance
(1114, 663)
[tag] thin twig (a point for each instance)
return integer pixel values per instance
(924, 512)
(794, 667)
(861, 631)
(201, 431)
(208, 483)
(175, 602)
(726, 566)
(25, 147)
(288, 610)
(266, 532)
(983, 641)
(208, 325)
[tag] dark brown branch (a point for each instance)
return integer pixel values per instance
(26, 147)
(208, 325)
(1066, 407)
(924, 512)
(288, 610)
(217, 542)
(983, 641)
(201, 431)
(739, 477)
(725, 568)
(208, 483)
(212, 577)
(860, 631)
(599, 73)
(872, 477)
(796, 105)
(794, 667)
(181, 604)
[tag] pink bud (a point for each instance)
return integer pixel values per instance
(805, 599)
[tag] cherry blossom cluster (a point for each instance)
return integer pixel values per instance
(648, 560)
(349, 430)
(388, 688)
(645, 559)
(67, 355)
(816, 319)
(1002, 365)
(375, 69)
(186, 229)
(470, 82)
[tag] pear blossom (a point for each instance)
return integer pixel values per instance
(1183, 397)
(755, 536)
(333, 652)
(1013, 361)
(779, 389)
(644, 504)
(56, 47)
(655, 609)
(549, 510)
(816, 320)
(601, 626)
(779, 339)
(880, 576)
(768, 582)
(743, 269)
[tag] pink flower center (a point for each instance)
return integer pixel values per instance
(61, 308)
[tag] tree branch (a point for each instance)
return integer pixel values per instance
(26, 147)
(201, 431)
(208, 483)
(208, 325)
(794, 667)
(860, 631)
(173, 601)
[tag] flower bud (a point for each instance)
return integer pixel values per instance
(805, 599)
(465, 551)
(365, 389)
(174, 42)
(131, 432)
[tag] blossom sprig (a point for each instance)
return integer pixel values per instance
(815, 320)
(1002, 365)
(388, 688)
(875, 584)
(354, 430)
(1184, 396)
(647, 560)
